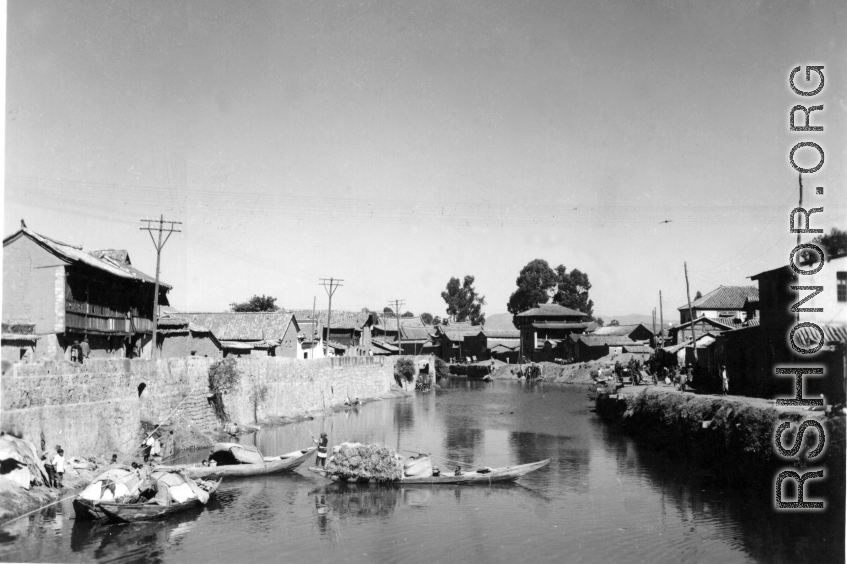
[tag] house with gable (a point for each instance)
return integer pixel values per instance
(67, 294)
(549, 322)
(251, 333)
(725, 303)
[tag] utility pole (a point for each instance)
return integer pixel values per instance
(690, 313)
(330, 285)
(159, 246)
(314, 328)
(661, 319)
(654, 326)
(397, 305)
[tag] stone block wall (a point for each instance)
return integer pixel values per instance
(97, 408)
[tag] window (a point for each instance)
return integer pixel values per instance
(842, 286)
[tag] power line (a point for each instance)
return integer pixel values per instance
(330, 285)
(170, 230)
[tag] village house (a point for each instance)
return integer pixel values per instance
(450, 340)
(678, 334)
(636, 332)
(588, 346)
(349, 333)
(726, 303)
(549, 322)
(176, 337)
(251, 333)
(68, 294)
(311, 338)
(505, 341)
(18, 342)
(751, 352)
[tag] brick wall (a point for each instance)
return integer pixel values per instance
(33, 286)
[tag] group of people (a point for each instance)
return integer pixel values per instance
(54, 464)
(80, 351)
(154, 449)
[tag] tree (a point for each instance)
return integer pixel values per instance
(572, 290)
(426, 318)
(535, 282)
(833, 244)
(599, 321)
(436, 320)
(614, 323)
(698, 295)
(365, 310)
(463, 303)
(256, 303)
(388, 312)
(407, 314)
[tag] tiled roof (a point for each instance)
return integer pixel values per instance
(105, 261)
(832, 333)
(416, 333)
(242, 326)
(340, 319)
(27, 337)
(501, 333)
(18, 328)
(702, 321)
(725, 297)
(637, 349)
(560, 325)
(551, 310)
(510, 343)
(600, 340)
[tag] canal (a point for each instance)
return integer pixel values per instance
(602, 499)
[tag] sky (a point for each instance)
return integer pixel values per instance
(397, 144)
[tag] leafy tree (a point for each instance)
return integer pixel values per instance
(599, 321)
(365, 310)
(426, 318)
(535, 282)
(572, 290)
(388, 312)
(256, 303)
(407, 314)
(614, 323)
(404, 369)
(698, 295)
(833, 243)
(463, 303)
(436, 320)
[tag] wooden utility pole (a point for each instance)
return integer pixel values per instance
(690, 313)
(314, 327)
(397, 305)
(661, 319)
(159, 246)
(654, 326)
(330, 285)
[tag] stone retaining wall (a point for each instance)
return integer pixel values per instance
(97, 408)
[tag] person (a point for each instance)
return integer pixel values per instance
(76, 352)
(152, 447)
(48, 457)
(59, 465)
(724, 380)
(458, 471)
(322, 445)
(114, 459)
(85, 348)
(205, 463)
(683, 378)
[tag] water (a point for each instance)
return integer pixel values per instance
(602, 499)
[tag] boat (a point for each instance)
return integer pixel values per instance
(483, 476)
(237, 460)
(115, 483)
(175, 492)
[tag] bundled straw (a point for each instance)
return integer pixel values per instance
(358, 462)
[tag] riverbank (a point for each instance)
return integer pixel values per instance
(16, 501)
(730, 438)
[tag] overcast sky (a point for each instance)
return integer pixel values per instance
(397, 144)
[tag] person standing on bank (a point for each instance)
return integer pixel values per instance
(59, 465)
(322, 446)
(85, 349)
(48, 457)
(724, 380)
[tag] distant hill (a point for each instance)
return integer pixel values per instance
(499, 321)
(635, 318)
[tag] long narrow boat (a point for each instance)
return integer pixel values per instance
(115, 482)
(133, 512)
(268, 465)
(504, 474)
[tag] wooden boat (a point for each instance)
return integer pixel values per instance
(237, 469)
(117, 480)
(489, 476)
(133, 512)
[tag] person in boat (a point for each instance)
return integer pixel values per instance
(322, 443)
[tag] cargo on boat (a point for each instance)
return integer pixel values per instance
(116, 483)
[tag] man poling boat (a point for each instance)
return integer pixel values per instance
(322, 443)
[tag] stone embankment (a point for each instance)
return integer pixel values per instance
(730, 437)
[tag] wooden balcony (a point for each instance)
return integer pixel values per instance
(77, 322)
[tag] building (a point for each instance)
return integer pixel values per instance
(482, 344)
(311, 338)
(176, 337)
(18, 343)
(546, 322)
(449, 340)
(585, 347)
(726, 303)
(752, 352)
(348, 328)
(678, 334)
(251, 333)
(67, 294)
(637, 332)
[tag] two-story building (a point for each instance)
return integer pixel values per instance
(68, 294)
(251, 333)
(725, 303)
(549, 322)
